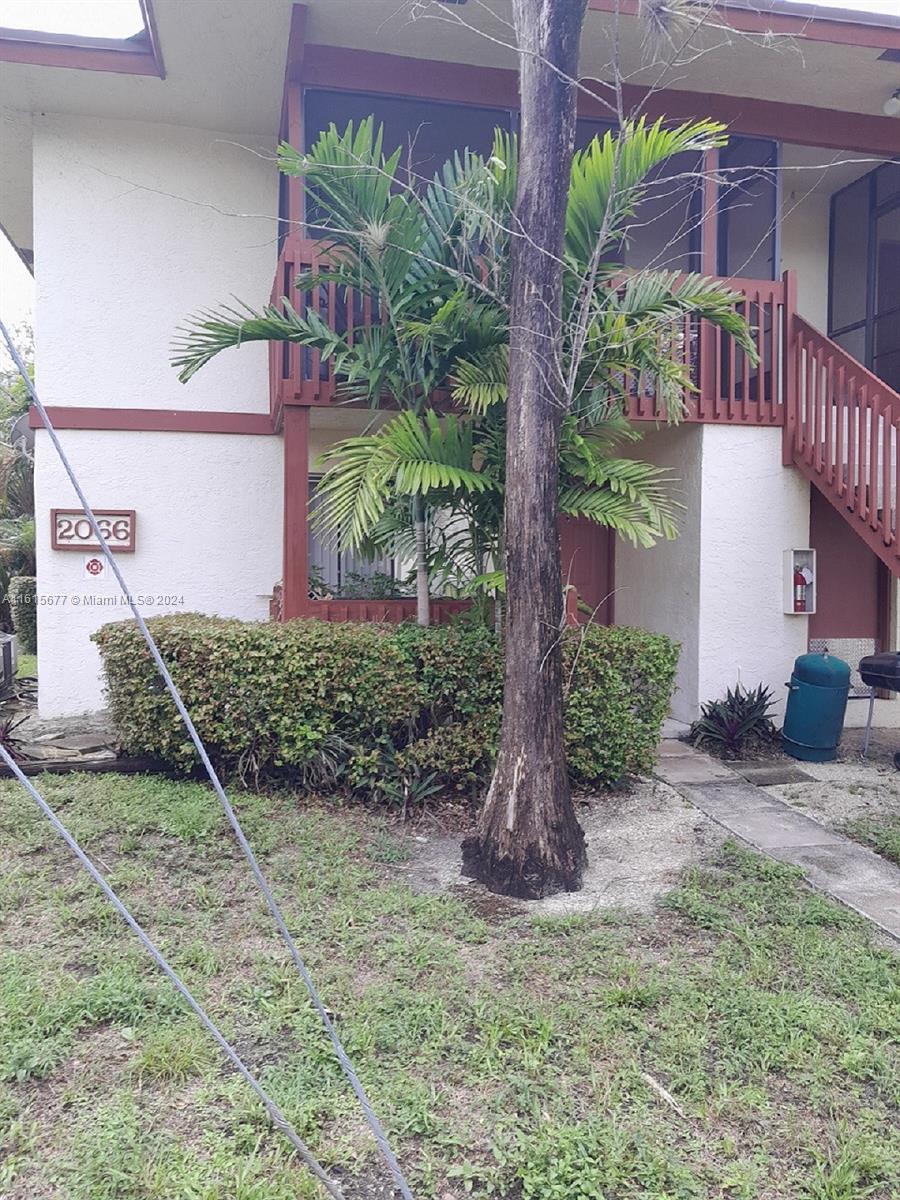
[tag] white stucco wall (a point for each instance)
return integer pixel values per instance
(659, 589)
(137, 226)
(209, 537)
(804, 249)
(717, 589)
(753, 509)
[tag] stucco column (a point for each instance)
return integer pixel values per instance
(752, 510)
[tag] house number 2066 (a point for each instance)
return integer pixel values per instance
(71, 530)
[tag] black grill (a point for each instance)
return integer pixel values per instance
(881, 671)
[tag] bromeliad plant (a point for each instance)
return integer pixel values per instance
(435, 267)
(736, 725)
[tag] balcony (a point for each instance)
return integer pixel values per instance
(730, 389)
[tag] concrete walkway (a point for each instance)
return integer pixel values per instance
(832, 863)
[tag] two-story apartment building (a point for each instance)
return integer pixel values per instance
(139, 177)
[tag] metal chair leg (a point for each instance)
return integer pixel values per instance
(869, 723)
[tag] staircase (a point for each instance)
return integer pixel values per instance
(842, 431)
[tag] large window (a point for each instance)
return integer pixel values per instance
(664, 233)
(864, 271)
(748, 209)
(429, 131)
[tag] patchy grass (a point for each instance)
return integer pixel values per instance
(881, 834)
(512, 1060)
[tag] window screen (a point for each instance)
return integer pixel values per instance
(748, 208)
(429, 131)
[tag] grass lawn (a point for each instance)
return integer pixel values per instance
(881, 834)
(509, 1057)
(27, 668)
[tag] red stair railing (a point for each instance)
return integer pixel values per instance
(842, 431)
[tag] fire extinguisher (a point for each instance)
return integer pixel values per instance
(799, 592)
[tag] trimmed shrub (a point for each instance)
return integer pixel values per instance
(620, 683)
(261, 695)
(23, 606)
(414, 706)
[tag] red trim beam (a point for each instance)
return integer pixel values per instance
(153, 420)
(391, 74)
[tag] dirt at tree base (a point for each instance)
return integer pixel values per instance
(638, 844)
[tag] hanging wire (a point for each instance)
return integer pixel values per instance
(279, 1120)
(347, 1067)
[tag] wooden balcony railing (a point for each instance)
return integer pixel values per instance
(389, 612)
(841, 423)
(842, 431)
(730, 388)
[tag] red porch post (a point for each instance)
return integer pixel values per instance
(709, 265)
(296, 498)
(791, 366)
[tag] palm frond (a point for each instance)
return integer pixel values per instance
(481, 380)
(610, 174)
(408, 456)
(210, 332)
(669, 297)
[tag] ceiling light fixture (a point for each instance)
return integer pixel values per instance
(891, 106)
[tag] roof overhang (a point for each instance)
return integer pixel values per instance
(784, 18)
(762, 61)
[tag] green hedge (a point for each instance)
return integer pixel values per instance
(348, 704)
(23, 607)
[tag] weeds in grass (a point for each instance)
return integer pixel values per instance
(882, 834)
(42, 1008)
(508, 1060)
(174, 1051)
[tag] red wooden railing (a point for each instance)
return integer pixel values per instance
(842, 430)
(841, 423)
(298, 375)
(391, 612)
(730, 388)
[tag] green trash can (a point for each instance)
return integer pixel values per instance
(817, 701)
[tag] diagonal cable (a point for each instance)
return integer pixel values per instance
(347, 1067)
(279, 1120)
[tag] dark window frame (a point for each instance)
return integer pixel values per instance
(723, 209)
(875, 212)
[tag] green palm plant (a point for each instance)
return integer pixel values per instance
(437, 267)
(379, 242)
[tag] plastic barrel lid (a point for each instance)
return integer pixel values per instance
(822, 670)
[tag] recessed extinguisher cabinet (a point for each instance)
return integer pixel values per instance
(799, 582)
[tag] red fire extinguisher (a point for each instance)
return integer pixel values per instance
(799, 592)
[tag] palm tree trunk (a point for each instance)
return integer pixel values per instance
(528, 842)
(498, 598)
(423, 600)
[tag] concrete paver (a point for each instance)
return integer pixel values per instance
(831, 862)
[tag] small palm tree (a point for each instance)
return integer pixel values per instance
(380, 245)
(622, 333)
(437, 268)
